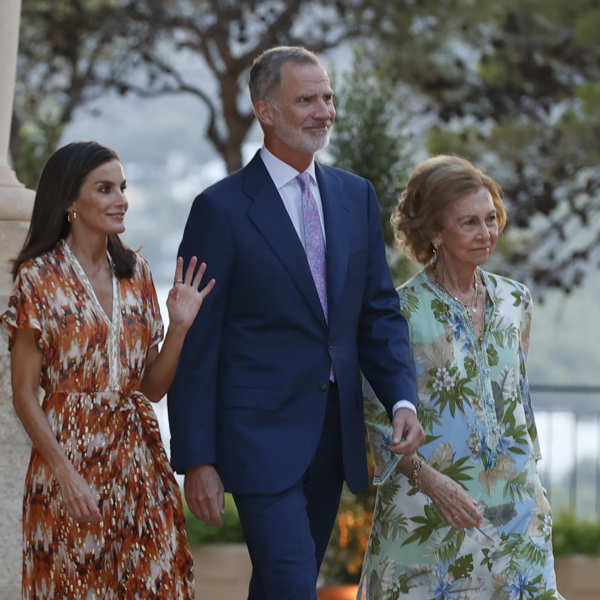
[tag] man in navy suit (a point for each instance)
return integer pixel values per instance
(267, 398)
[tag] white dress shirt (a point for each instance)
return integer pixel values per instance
(284, 178)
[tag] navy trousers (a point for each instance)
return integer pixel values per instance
(287, 533)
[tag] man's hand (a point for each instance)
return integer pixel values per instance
(408, 434)
(204, 494)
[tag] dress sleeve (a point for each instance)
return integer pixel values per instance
(379, 431)
(24, 308)
(525, 331)
(152, 306)
(379, 427)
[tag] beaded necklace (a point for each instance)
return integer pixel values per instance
(478, 326)
(472, 309)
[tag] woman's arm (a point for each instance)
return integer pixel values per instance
(455, 504)
(26, 367)
(183, 303)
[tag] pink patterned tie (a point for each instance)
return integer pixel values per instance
(314, 241)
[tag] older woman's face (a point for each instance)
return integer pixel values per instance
(471, 229)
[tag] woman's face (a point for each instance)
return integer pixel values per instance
(470, 230)
(101, 204)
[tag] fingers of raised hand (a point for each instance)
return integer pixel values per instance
(198, 278)
(199, 274)
(193, 276)
(207, 288)
(178, 271)
(189, 278)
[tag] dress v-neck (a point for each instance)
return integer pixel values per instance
(113, 325)
(87, 284)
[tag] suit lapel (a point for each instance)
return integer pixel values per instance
(337, 215)
(270, 217)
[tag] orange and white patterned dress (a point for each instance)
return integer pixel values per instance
(91, 374)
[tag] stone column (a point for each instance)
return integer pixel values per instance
(15, 210)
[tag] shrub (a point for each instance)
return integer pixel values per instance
(573, 535)
(349, 539)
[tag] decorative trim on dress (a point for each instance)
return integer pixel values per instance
(113, 325)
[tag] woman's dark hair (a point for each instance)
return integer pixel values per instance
(58, 187)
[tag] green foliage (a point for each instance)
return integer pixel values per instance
(586, 27)
(492, 355)
(427, 524)
(512, 86)
(441, 311)
(462, 567)
(370, 139)
(451, 545)
(69, 53)
(487, 559)
(38, 140)
(428, 417)
(455, 395)
(574, 535)
(532, 553)
(590, 95)
(458, 471)
(368, 136)
(199, 533)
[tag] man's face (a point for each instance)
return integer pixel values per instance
(303, 110)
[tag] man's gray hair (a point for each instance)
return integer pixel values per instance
(265, 73)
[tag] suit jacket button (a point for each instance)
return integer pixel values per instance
(324, 386)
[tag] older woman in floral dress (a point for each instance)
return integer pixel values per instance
(102, 512)
(467, 518)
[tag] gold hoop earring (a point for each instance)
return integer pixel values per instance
(72, 216)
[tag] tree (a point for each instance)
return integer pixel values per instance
(513, 86)
(69, 51)
(371, 138)
(221, 37)
(72, 51)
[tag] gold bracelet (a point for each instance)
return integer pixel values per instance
(417, 466)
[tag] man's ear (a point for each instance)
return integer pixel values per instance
(265, 112)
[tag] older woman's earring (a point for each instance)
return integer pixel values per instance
(434, 250)
(72, 216)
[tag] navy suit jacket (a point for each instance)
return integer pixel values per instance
(251, 387)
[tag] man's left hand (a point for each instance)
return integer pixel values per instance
(408, 434)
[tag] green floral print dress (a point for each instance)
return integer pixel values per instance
(475, 407)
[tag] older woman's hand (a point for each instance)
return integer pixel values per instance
(455, 504)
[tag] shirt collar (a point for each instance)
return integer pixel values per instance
(281, 172)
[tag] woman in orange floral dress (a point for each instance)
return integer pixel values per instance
(102, 514)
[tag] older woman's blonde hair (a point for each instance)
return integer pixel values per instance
(432, 186)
